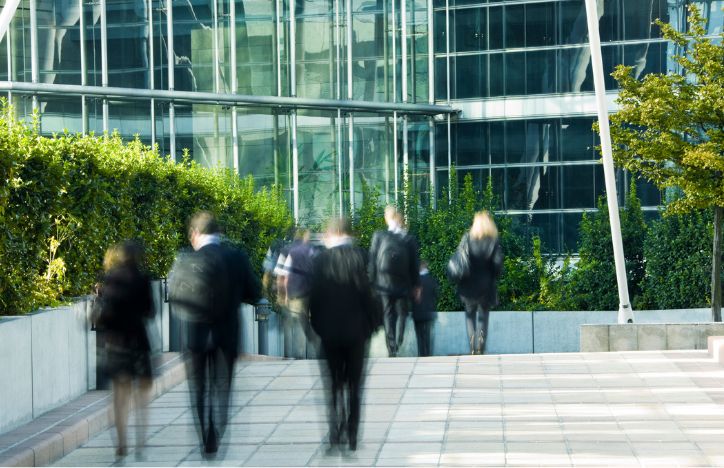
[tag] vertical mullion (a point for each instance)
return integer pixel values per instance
(395, 155)
(83, 70)
(234, 85)
(171, 64)
(151, 70)
(403, 44)
(447, 53)
(104, 61)
(350, 149)
(433, 174)
(293, 93)
(430, 53)
(348, 14)
(34, 48)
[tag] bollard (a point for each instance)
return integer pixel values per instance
(261, 314)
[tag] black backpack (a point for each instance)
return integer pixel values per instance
(393, 257)
(198, 286)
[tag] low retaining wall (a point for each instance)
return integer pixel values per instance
(648, 337)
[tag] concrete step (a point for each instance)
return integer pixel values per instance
(715, 346)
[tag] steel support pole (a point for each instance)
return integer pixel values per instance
(350, 149)
(433, 170)
(449, 159)
(215, 42)
(83, 70)
(395, 156)
(8, 50)
(151, 69)
(34, 74)
(234, 85)
(430, 53)
(625, 314)
(348, 16)
(104, 62)
(403, 44)
(293, 93)
(278, 12)
(405, 164)
(171, 59)
(340, 169)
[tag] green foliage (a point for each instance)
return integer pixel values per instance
(65, 200)
(592, 284)
(678, 254)
(670, 128)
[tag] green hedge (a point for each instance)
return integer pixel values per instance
(64, 200)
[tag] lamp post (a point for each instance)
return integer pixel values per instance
(625, 313)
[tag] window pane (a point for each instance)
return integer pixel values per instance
(571, 223)
(574, 28)
(540, 143)
(539, 24)
(515, 142)
(514, 26)
(578, 187)
(497, 142)
(514, 73)
(466, 67)
(577, 140)
(495, 27)
(470, 30)
(496, 75)
(574, 70)
(547, 228)
(471, 145)
(540, 71)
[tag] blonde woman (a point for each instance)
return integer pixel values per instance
(126, 304)
(475, 269)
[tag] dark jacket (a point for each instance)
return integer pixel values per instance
(343, 310)
(425, 309)
(486, 265)
(300, 276)
(384, 283)
(238, 284)
(127, 303)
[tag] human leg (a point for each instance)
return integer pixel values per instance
(335, 390)
(401, 312)
(390, 321)
(471, 309)
(354, 368)
(142, 397)
(121, 400)
(483, 318)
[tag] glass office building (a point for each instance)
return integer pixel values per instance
(325, 96)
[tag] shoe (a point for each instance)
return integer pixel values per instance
(212, 442)
(121, 451)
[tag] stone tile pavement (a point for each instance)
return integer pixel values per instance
(578, 409)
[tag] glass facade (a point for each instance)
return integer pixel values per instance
(323, 97)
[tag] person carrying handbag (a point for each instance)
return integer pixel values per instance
(475, 268)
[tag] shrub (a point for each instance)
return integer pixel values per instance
(64, 200)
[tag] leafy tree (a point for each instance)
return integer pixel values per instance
(670, 129)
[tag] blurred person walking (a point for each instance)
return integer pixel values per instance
(123, 306)
(344, 314)
(294, 273)
(475, 267)
(206, 288)
(394, 269)
(423, 310)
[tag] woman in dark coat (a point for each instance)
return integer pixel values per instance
(125, 306)
(344, 315)
(475, 268)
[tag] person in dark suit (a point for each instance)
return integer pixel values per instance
(344, 314)
(219, 279)
(476, 267)
(123, 306)
(423, 310)
(394, 269)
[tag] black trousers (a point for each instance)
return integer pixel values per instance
(210, 371)
(423, 330)
(345, 364)
(395, 317)
(476, 320)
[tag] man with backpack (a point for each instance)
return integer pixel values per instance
(206, 287)
(394, 269)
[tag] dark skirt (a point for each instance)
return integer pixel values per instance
(126, 357)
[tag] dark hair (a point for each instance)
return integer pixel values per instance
(204, 222)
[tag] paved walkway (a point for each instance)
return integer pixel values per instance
(632, 408)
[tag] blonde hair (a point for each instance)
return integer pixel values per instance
(391, 214)
(124, 253)
(483, 226)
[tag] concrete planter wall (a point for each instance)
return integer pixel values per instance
(648, 337)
